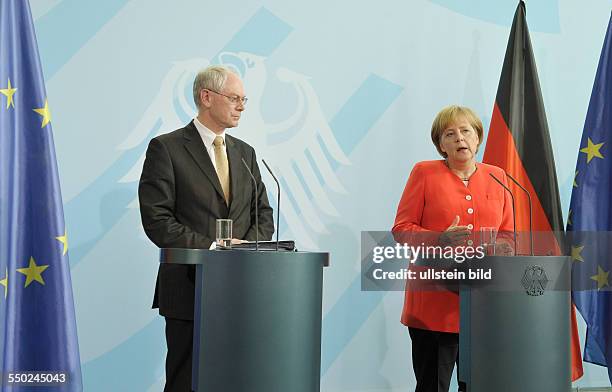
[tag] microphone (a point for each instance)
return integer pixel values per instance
(277, 203)
(513, 206)
(256, 202)
(530, 210)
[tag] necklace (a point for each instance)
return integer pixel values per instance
(464, 179)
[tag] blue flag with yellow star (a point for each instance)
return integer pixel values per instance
(38, 338)
(590, 217)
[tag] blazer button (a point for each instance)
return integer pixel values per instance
(468, 197)
(470, 210)
(470, 242)
(470, 226)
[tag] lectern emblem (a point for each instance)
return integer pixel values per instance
(535, 280)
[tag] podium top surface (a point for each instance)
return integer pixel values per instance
(440, 262)
(200, 256)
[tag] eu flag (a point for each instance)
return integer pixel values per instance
(38, 339)
(590, 217)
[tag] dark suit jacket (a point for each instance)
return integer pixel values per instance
(181, 199)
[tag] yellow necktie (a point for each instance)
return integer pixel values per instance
(222, 167)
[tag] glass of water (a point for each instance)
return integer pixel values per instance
(488, 237)
(224, 233)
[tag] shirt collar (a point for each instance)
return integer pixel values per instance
(206, 134)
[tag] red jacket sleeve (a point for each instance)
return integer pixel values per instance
(410, 211)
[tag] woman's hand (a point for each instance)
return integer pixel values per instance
(455, 235)
(503, 248)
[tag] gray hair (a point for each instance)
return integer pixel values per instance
(210, 78)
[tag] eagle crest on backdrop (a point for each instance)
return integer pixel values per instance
(301, 149)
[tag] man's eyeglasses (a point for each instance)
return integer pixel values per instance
(235, 99)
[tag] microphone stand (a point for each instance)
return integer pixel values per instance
(513, 208)
(530, 211)
(277, 203)
(256, 203)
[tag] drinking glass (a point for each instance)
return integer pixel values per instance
(488, 236)
(224, 233)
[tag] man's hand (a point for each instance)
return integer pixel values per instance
(455, 235)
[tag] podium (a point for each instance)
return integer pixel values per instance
(257, 319)
(514, 336)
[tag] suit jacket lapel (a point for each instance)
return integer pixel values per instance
(195, 147)
(237, 172)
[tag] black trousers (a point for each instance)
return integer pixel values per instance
(179, 340)
(434, 355)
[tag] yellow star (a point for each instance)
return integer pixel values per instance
(64, 240)
(33, 272)
(45, 113)
(592, 150)
(575, 183)
(601, 278)
(9, 92)
(569, 218)
(4, 282)
(576, 253)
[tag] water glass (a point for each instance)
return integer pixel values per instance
(224, 233)
(488, 236)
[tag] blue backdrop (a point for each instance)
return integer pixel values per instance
(341, 99)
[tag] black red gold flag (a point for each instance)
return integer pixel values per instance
(519, 142)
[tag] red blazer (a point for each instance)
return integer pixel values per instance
(433, 196)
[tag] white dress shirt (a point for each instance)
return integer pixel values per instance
(208, 137)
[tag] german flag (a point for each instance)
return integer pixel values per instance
(519, 142)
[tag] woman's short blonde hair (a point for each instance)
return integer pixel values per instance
(449, 115)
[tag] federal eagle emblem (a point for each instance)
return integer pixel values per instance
(534, 280)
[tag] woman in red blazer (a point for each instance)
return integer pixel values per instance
(455, 197)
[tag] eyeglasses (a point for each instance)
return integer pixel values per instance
(234, 100)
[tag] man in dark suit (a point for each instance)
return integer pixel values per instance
(192, 177)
